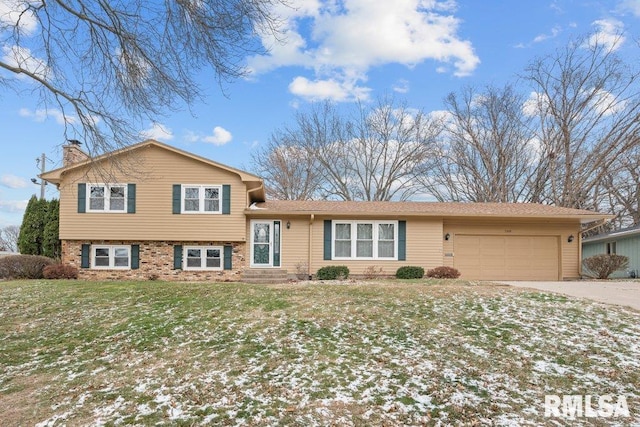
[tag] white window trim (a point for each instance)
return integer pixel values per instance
(185, 251)
(354, 240)
(201, 210)
(112, 252)
(107, 197)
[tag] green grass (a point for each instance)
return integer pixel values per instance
(374, 353)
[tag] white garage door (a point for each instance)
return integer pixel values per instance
(485, 257)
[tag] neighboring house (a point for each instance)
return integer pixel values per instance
(621, 242)
(154, 211)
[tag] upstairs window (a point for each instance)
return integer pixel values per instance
(107, 198)
(201, 199)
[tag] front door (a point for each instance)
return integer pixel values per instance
(265, 243)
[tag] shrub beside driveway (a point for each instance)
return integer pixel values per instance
(372, 353)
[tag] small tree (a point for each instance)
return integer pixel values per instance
(32, 229)
(51, 246)
(9, 238)
(603, 266)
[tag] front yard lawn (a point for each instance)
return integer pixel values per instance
(367, 353)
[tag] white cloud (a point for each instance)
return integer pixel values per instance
(157, 131)
(15, 13)
(40, 115)
(345, 38)
(219, 136)
(608, 33)
(327, 89)
(12, 181)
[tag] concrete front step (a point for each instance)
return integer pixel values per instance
(265, 275)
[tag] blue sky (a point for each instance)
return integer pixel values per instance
(343, 50)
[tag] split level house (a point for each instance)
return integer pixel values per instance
(154, 211)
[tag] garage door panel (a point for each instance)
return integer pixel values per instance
(486, 257)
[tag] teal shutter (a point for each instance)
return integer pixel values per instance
(228, 257)
(226, 199)
(82, 198)
(177, 194)
(327, 239)
(402, 240)
(131, 198)
(135, 257)
(84, 258)
(177, 257)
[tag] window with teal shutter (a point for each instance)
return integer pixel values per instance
(135, 257)
(228, 257)
(177, 257)
(226, 199)
(131, 198)
(82, 198)
(402, 240)
(327, 239)
(85, 261)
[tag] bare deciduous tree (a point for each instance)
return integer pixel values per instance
(587, 104)
(9, 238)
(109, 65)
(486, 153)
(376, 154)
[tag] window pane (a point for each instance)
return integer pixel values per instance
(211, 205)
(191, 205)
(116, 198)
(191, 193)
(343, 249)
(116, 204)
(385, 249)
(385, 232)
(343, 231)
(213, 253)
(261, 233)
(101, 262)
(364, 249)
(211, 193)
(97, 192)
(213, 262)
(122, 252)
(365, 231)
(102, 252)
(121, 262)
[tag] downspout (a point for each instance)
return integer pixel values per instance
(310, 257)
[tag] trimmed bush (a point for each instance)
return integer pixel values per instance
(333, 272)
(603, 266)
(23, 266)
(410, 272)
(60, 271)
(443, 273)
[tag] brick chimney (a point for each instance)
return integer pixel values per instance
(71, 153)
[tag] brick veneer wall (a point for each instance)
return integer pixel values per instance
(156, 262)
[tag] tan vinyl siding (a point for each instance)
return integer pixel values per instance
(154, 219)
(568, 262)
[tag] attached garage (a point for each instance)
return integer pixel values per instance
(493, 257)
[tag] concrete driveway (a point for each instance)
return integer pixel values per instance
(625, 293)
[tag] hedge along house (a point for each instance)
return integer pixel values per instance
(625, 242)
(165, 213)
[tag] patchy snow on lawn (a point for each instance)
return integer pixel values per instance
(333, 355)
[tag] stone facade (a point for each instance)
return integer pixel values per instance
(156, 262)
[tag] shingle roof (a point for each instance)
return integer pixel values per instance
(497, 210)
(623, 232)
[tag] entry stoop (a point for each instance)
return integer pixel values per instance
(265, 275)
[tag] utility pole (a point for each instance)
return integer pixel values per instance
(41, 161)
